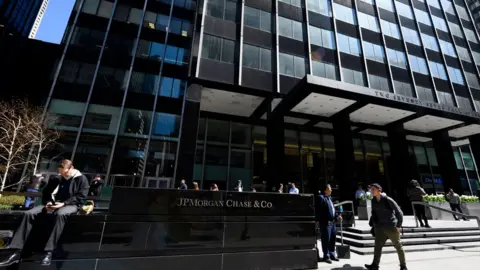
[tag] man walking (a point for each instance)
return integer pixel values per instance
(62, 196)
(325, 217)
(386, 220)
(455, 202)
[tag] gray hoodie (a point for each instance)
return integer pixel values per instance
(386, 213)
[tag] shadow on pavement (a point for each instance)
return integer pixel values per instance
(348, 267)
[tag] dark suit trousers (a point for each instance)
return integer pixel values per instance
(23, 231)
(328, 236)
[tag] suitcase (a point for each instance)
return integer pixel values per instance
(343, 251)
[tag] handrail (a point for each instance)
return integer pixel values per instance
(353, 208)
(444, 210)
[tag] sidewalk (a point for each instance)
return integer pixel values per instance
(465, 259)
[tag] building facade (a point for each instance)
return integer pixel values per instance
(21, 17)
(294, 91)
(475, 10)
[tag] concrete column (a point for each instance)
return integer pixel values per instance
(276, 154)
(344, 157)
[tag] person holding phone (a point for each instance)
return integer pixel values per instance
(61, 197)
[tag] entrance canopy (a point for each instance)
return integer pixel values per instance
(318, 100)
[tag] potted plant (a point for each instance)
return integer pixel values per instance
(470, 206)
(364, 207)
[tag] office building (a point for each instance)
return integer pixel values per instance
(21, 17)
(475, 11)
(269, 92)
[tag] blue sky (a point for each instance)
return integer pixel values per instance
(55, 20)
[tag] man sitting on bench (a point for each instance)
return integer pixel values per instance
(62, 196)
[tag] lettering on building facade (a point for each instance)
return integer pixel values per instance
(416, 101)
(189, 202)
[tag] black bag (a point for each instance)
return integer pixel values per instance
(343, 251)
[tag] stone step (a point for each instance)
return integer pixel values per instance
(416, 230)
(417, 248)
(413, 241)
(368, 236)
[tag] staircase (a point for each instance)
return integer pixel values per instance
(414, 239)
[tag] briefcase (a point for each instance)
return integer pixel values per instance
(343, 251)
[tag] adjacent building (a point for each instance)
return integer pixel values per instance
(475, 11)
(21, 17)
(304, 91)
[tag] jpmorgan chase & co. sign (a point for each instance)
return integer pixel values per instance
(204, 203)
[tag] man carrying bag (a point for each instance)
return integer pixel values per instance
(386, 220)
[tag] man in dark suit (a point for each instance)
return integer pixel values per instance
(325, 217)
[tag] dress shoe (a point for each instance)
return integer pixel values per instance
(47, 259)
(371, 267)
(12, 259)
(334, 259)
(403, 268)
(327, 260)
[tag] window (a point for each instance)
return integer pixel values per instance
(425, 93)
(429, 42)
(156, 51)
(368, 22)
(171, 87)
(472, 80)
(422, 17)
(410, 36)
(105, 9)
(373, 52)
(222, 9)
(404, 10)
(290, 28)
(455, 75)
(322, 37)
(345, 14)
(293, 66)
(464, 54)
(448, 6)
(257, 58)
(218, 49)
(447, 48)
(418, 64)
(403, 88)
(438, 70)
(379, 83)
(434, 3)
(463, 13)
(476, 57)
(135, 16)
(121, 13)
(349, 45)
(464, 102)
(321, 6)
(440, 23)
(90, 6)
(445, 98)
(397, 58)
(470, 35)
(353, 76)
(297, 3)
(258, 19)
(390, 29)
(386, 4)
(324, 70)
(455, 29)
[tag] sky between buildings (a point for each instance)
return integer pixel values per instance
(55, 20)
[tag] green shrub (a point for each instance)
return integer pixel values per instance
(434, 198)
(5, 207)
(12, 200)
(470, 199)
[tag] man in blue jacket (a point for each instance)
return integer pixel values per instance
(325, 217)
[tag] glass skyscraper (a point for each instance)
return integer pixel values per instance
(20, 17)
(309, 92)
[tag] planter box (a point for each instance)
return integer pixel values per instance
(364, 209)
(467, 208)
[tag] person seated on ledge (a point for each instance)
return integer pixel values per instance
(62, 196)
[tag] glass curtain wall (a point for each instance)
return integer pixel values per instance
(467, 169)
(427, 167)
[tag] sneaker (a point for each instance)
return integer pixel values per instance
(371, 267)
(335, 259)
(327, 260)
(47, 259)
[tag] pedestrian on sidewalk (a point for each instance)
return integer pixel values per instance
(416, 194)
(455, 202)
(325, 217)
(386, 220)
